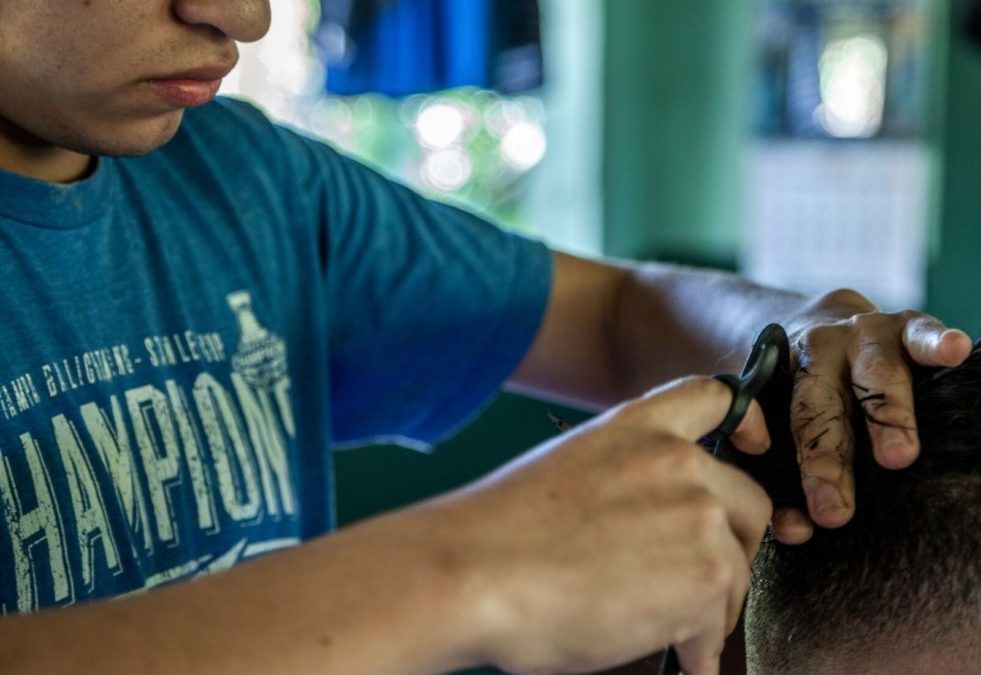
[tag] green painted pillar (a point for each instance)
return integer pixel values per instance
(678, 84)
(955, 274)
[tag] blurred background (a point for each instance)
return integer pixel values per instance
(809, 144)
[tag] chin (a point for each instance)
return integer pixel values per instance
(123, 139)
(141, 138)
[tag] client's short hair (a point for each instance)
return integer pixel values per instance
(904, 576)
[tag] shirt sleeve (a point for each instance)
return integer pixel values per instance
(431, 308)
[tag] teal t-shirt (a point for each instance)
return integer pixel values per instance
(185, 336)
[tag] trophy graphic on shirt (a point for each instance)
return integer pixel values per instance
(261, 355)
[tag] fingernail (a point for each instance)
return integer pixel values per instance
(793, 535)
(791, 518)
(946, 355)
(826, 498)
(896, 446)
(890, 438)
(791, 526)
(957, 333)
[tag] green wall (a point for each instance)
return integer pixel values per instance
(955, 273)
(676, 102)
(379, 478)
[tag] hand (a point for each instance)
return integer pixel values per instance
(614, 540)
(848, 353)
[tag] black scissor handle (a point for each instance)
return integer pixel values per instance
(770, 352)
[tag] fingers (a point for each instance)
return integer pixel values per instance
(863, 360)
(752, 436)
(729, 512)
(819, 421)
(700, 655)
(689, 409)
(882, 381)
(930, 343)
(739, 586)
(791, 526)
(692, 407)
(733, 513)
(720, 573)
(745, 502)
(883, 387)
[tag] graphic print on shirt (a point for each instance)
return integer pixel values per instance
(160, 459)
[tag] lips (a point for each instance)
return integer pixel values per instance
(190, 88)
(186, 93)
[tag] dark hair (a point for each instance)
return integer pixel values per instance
(905, 573)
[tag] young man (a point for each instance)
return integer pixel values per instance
(898, 589)
(198, 304)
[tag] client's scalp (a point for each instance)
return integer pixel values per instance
(905, 574)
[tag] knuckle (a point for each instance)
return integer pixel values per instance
(868, 322)
(880, 375)
(910, 315)
(709, 520)
(652, 456)
(715, 575)
(628, 412)
(844, 298)
(819, 335)
(692, 385)
(646, 458)
(879, 369)
(632, 416)
(701, 382)
(682, 461)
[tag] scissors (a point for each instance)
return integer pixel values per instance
(767, 378)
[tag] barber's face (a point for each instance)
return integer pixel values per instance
(85, 75)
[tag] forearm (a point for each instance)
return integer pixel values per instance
(614, 331)
(671, 321)
(374, 600)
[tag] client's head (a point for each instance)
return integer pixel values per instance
(898, 589)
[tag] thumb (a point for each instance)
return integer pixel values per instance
(691, 407)
(930, 343)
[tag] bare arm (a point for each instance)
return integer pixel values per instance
(378, 598)
(612, 332)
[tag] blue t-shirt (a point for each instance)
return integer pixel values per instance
(186, 335)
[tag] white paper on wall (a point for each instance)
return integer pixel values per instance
(821, 216)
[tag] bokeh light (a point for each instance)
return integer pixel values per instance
(853, 83)
(447, 169)
(440, 125)
(524, 145)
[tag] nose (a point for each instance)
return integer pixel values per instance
(241, 20)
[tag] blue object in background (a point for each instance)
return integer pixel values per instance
(404, 47)
(803, 73)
